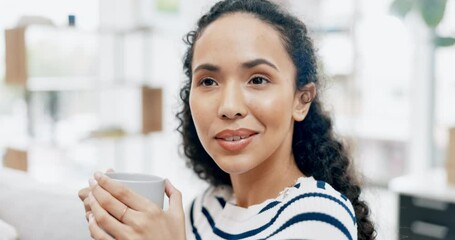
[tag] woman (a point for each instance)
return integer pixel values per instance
(253, 127)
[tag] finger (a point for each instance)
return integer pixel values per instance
(105, 220)
(95, 231)
(87, 205)
(175, 197)
(83, 193)
(125, 195)
(109, 203)
(87, 215)
(92, 182)
(114, 207)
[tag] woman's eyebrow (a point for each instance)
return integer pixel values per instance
(259, 61)
(249, 64)
(208, 67)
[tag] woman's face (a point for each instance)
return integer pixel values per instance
(243, 99)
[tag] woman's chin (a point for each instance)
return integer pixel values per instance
(234, 165)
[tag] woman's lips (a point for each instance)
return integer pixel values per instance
(235, 140)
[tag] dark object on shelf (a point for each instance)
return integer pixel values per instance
(16, 67)
(450, 161)
(426, 219)
(151, 109)
(16, 159)
(426, 205)
(71, 20)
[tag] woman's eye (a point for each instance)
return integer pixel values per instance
(258, 80)
(208, 82)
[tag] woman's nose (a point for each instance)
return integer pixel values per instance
(232, 103)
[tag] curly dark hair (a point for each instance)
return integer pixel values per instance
(317, 151)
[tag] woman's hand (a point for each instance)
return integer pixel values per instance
(119, 213)
(83, 195)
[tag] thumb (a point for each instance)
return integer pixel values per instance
(175, 197)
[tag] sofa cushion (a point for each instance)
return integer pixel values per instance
(40, 211)
(7, 232)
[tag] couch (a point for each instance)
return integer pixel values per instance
(30, 210)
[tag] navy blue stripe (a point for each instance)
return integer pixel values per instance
(253, 232)
(320, 184)
(315, 216)
(195, 232)
(209, 217)
(344, 197)
(221, 201)
(270, 205)
(297, 185)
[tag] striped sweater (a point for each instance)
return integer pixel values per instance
(310, 209)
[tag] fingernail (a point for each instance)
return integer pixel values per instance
(90, 217)
(92, 182)
(98, 175)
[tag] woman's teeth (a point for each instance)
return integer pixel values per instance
(235, 138)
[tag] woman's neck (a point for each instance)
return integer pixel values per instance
(265, 181)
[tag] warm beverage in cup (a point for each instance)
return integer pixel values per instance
(149, 186)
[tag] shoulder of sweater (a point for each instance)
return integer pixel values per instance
(310, 195)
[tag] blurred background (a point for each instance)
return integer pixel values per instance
(88, 85)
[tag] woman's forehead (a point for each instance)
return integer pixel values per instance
(242, 36)
(238, 26)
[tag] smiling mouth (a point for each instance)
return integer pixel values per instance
(235, 135)
(235, 140)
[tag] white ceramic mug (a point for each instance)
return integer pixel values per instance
(149, 186)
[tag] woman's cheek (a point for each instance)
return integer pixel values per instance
(201, 112)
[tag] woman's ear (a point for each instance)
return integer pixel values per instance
(302, 101)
